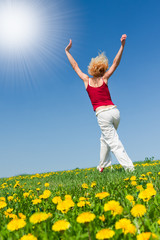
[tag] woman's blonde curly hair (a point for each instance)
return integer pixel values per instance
(98, 65)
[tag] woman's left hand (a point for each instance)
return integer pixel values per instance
(123, 39)
(69, 46)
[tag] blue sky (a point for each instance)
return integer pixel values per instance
(47, 122)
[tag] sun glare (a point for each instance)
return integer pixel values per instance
(19, 27)
(32, 35)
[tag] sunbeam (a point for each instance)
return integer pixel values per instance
(31, 34)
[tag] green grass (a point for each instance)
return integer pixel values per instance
(70, 183)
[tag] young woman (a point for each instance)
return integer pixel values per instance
(108, 116)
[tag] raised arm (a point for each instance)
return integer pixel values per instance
(117, 58)
(74, 64)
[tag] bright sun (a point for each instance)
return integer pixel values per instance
(32, 35)
(19, 26)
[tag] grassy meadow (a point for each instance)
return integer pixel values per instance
(82, 204)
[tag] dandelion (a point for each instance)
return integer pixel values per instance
(16, 224)
(25, 194)
(126, 226)
(21, 215)
(126, 179)
(46, 184)
(2, 199)
(84, 185)
(65, 205)
(2, 204)
(39, 217)
(133, 178)
(9, 210)
(114, 207)
(158, 221)
(29, 236)
(68, 197)
(56, 199)
(102, 195)
(139, 188)
(133, 183)
(85, 217)
(138, 210)
(81, 204)
(93, 184)
(46, 194)
(82, 199)
(130, 198)
(102, 218)
(60, 225)
(105, 234)
(146, 236)
(149, 173)
(36, 201)
(10, 198)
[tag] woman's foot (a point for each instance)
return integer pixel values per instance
(100, 169)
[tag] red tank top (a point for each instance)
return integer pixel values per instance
(99, 96)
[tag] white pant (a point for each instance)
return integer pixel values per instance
(108, 121)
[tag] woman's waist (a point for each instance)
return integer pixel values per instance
(104, 108)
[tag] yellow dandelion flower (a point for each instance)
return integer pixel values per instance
(149, 185)
(105, 234)
(133, 183)
(114, 207)
(138, 210)
(126, 179)
(65, 205)
(145, 195)
(25, 194)
(126, 226)
(21, 215)
(102, 218)
(82, 199)
(146, 236)
(36, 201)
(81, 204)
(102, 195)
(39, 217)
(38, 189)
(46, 194)
(84, 185)
(60, 225)
(10, 198)
(46, 184)
(158, 221)
(9, 210)
(2, 199)
(93, 184)
(56, 199)
(29, 236)
(12, 215)
(139, 188)
(130, 198)
(68, 197)
(133, 178)
(2, 204)
(143, 175)
(16, 224)
(85, 217)
(148, 173)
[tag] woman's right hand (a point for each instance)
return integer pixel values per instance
(123, 39)
(69, 46)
